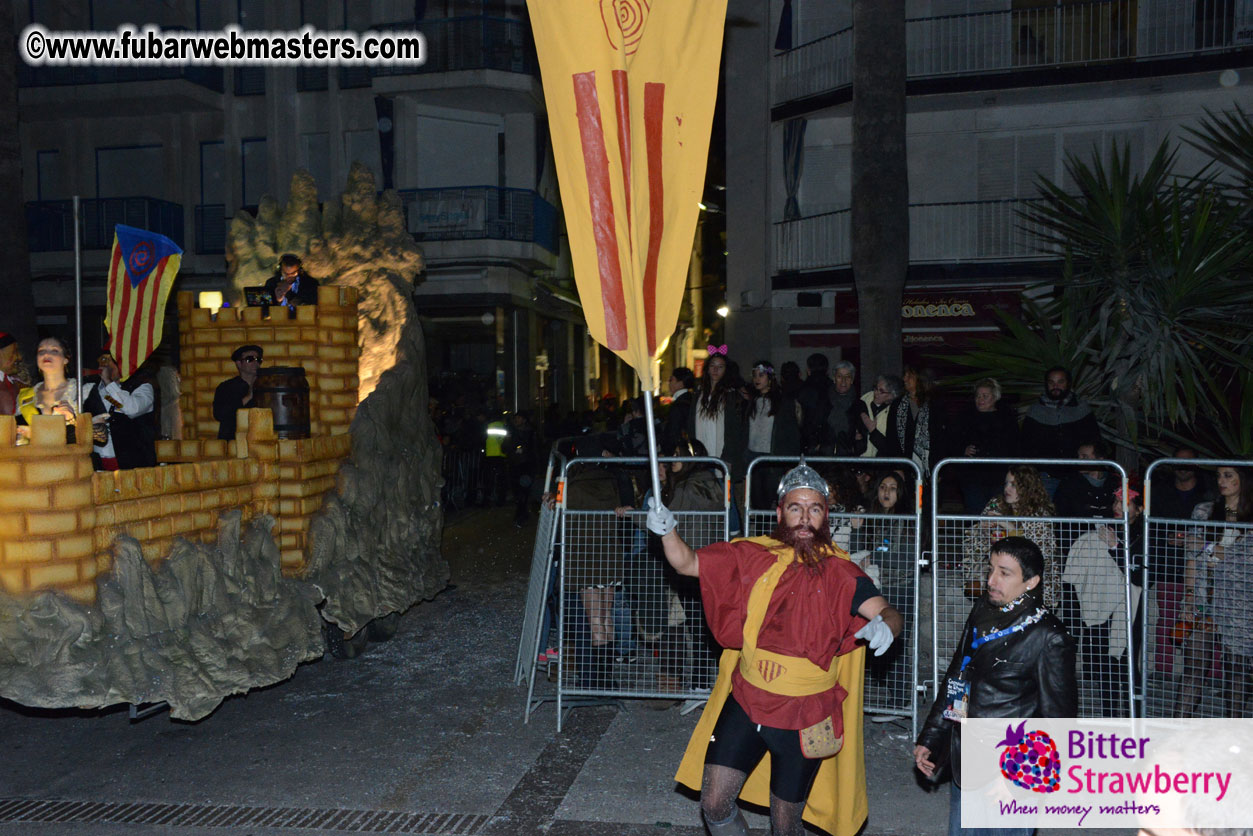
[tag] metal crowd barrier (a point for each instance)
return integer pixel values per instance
(887, 545)
(535, 624)
(628, 626)
(1086, 584)
(1198, 634)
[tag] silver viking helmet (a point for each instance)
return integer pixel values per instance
(803, 476)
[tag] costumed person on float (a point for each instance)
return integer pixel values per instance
(790, 608)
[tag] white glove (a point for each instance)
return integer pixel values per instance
(877, 635)
(660, 519)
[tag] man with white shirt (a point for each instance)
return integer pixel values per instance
(124, 427)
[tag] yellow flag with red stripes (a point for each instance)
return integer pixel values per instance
(630, 87)
(142, 267)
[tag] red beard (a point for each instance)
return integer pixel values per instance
(810, 551)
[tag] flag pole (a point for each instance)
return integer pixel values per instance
(78, 312)
(652, 446)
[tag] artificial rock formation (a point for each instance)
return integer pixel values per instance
(211, 622)
(374, 548)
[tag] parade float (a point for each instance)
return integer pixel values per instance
(232, 562)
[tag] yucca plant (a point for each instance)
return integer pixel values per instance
(1153, 307)
(1227, 138)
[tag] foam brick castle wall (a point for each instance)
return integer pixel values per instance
(58, 519)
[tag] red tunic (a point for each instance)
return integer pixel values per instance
(808, 616)
(9, 389)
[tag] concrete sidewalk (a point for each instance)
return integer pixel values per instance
(421, 735)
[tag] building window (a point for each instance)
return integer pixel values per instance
(1009, 165)
(250, 81)
(49, 184)
(308, 77)
(120, 172)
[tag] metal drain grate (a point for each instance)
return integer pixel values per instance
(217, 815)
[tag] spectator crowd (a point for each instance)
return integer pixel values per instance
(1201, 573)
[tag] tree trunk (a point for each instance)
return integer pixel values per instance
(880, 182)
(16, 298)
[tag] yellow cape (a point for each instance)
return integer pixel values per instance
(837, 801)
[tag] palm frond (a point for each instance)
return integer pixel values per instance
(1227, 138)
(1153, 310)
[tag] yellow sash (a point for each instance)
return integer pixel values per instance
(837, 801)
(788, 676)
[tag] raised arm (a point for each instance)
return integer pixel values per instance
(682, 557)
(132, 404)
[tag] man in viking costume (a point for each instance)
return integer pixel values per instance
(790, 608)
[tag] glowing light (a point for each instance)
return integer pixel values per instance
(723, 310)
(211, 299)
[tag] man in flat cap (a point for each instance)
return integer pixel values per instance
(236, 393)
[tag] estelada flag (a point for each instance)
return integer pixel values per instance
(142, 268)
(630, 87)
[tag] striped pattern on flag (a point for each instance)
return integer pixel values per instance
(135, 316)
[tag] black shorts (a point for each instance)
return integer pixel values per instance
(739, 743)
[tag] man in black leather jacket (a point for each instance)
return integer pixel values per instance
(1015, 660)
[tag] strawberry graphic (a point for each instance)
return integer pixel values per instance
(1030, 759)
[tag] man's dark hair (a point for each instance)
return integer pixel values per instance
(1061, 369)
(817, 363)
(684, 375)
(289, 260)
(1099, 448)
(1027, 553)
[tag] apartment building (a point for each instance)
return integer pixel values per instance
(180, 150)
(999, 92)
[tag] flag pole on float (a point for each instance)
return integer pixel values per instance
(78, 312)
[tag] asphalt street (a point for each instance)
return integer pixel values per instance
(423, 734)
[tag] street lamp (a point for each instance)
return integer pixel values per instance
(723, 310)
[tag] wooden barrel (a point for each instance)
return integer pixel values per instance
(285, 391)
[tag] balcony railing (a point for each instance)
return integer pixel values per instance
(28, 76)
(470, 43)
(211, 228)
(815, 67)
(813, 243)
(1070, 34)
(480, 212)
(50, 223)
(983, 230)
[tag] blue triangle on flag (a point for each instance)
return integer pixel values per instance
(142, 251)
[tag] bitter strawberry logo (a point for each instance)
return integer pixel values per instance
(1030, 759)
